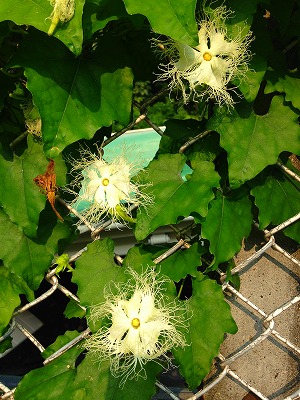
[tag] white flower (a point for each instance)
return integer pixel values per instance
(106, 188)
(142, 326)
(205, 71)
(63, 11)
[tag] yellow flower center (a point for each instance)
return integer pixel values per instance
(105, 182)
(135, 323)
(207, 56)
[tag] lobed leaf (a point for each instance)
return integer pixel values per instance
(209, 318)
(11, 286)
(182, 263)
(224, 214)
(168, 17)
(75, 96)
(290, 85)
(36, 13)
(95, 269)
(52, 381)
(254, 141)
(29, 259)
(98, 14)
(277, 197)
(94, 380)
(175, 197)
(20, 198)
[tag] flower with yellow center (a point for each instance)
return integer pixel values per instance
(143, 326)
(106, 188)
(205, 70)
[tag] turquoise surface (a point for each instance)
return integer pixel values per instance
(140, 147)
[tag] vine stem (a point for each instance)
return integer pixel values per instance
(18, 139)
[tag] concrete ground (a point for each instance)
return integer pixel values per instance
(270, 367)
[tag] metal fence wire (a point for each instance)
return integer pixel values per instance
(240, 368)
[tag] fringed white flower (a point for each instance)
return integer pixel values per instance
(142, 325)
(63, 11)
(106, 188)
(205, 70)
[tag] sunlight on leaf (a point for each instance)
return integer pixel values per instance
(209, 319)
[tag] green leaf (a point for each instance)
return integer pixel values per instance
(76, 96)
(209, 319)
(97, 14)
(182, 263)
(94, 270)
(11, 286)
(93, 378)
(277, 197)
(240, 22)
(138, 256)
(27, 258)
(176, 134)
(224, 214)
(169, 17)
(290, 85)
(21, 199)
(6, 86)
(255, 141)
(250, 85)
(73, 310)
(51, 382)
(37, 13)
(174, 197)
(60, 341)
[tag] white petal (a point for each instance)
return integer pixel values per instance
(132, 342)
(203, 38)
(187, 56)
(100, 197)
(150, 333)
(123, 188)
(219, 46)
(147, 310)
(220, 69)
(120, 323)
(91, 189)
(132, 307)
(113, 195)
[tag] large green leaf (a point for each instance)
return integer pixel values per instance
(138, 256)
(37, 13)
(277, 197)
(52, 381)
(27, 258)
(240, 21)
(11, 286)
(182, 263)
(174, 197)
(75, 96)
(21, 199)
(97, 14)
(255, 141)
(224, 214)
(250, 84)
(290, 85)
(168, 17)
(94, 270)
(94, 381)
(209, 319)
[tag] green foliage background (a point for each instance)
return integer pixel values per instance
(91, 77)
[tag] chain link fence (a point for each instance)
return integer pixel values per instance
(262, 323)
